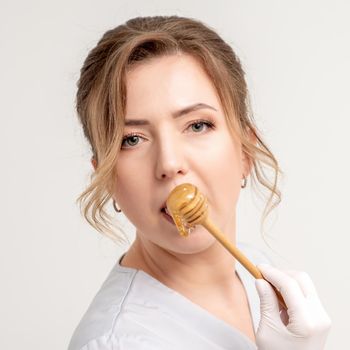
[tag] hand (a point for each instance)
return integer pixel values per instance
(304, 326)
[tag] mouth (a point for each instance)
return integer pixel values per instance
(165, 213)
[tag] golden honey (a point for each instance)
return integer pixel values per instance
(181, 201)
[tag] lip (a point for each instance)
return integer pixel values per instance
(168, 217)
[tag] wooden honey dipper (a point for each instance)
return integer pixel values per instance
(188, 207)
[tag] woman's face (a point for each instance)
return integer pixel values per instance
(165, 148)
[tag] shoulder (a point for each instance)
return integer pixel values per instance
(96, 326)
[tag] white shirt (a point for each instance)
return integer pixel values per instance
(132, 310)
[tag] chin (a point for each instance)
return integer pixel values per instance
(197, 241)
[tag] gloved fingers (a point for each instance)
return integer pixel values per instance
(269, 306)
(304, 281)
(284, 317)
(315, 306)
(286, 285)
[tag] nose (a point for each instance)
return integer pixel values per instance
(170, 160)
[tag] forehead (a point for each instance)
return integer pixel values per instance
(167, 83)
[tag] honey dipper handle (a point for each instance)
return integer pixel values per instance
(232, 249)
(239, 256)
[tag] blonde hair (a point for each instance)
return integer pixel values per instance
(101, 100)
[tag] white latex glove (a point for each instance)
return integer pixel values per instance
(304, 326)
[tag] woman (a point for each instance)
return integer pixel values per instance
(163, 101)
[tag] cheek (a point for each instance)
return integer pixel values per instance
(132, 197)
(222, 160)
(129, 187)
(224, 173)
(228, 179)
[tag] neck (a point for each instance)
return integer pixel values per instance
(210, 271)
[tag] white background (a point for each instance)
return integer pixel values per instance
(296, 55)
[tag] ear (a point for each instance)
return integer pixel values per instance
(94, 162)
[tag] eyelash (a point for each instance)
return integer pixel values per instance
(210, 124)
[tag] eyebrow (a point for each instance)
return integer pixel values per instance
(175, 114)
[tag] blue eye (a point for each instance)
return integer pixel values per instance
(131, 140)
(200, 123)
